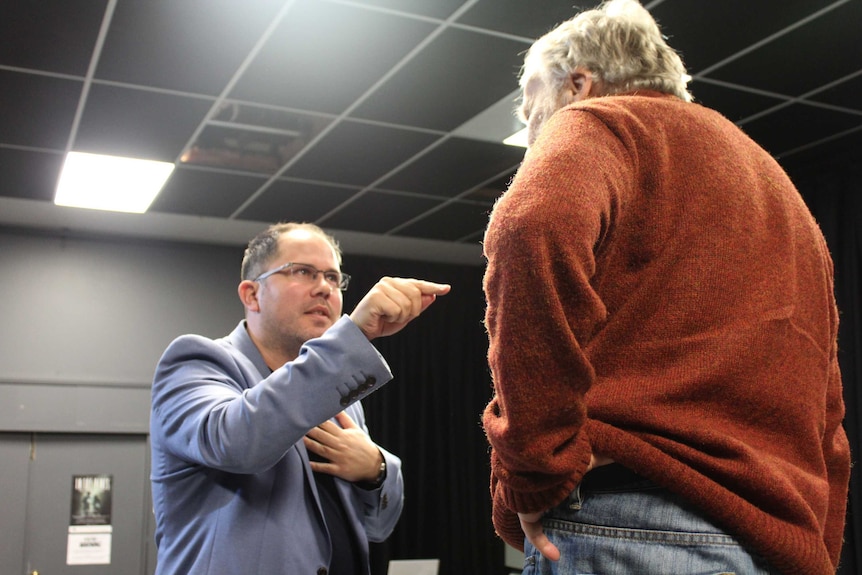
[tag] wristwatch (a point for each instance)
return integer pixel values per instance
(378, 481)
(381, 475)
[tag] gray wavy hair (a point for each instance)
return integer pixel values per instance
(619, 42)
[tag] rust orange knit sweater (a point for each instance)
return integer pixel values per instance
(658, 293)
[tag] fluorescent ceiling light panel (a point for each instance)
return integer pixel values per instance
(519, 138)
(110, 182)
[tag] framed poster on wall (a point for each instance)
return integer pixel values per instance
(90, 529)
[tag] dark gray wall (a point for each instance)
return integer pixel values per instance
(86, 320)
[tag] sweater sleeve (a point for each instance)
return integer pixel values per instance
(836, 447)
(541, 245)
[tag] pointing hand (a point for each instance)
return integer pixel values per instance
(392, 303)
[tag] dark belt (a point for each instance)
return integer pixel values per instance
(611, 476)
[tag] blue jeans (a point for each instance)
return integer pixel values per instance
(635, 527)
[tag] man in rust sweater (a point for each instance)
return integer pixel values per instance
(662, 329)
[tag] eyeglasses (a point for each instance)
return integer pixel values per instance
(305, 273)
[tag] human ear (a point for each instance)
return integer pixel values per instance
(581, 84)
(247, 291)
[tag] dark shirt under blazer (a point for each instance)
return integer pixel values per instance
(233, 492)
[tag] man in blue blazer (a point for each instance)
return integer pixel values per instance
(261, 460)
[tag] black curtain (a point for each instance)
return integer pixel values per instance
(833, 191)
(430, 416)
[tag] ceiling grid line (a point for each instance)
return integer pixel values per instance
(772, 37)
(346, 113)
(91, 71)
(401, 107)
(239, 72)
(450, 201)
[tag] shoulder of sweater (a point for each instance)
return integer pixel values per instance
(644, 106)
(633, 102)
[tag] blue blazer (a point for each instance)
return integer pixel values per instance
(233, 492)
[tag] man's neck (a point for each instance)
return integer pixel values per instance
(272, 356)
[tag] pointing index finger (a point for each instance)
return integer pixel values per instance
(432, 288)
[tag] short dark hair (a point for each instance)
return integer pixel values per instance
(263, 248)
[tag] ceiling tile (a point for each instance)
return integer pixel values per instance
(476, 237)
(295, 201)
(526, 19)
(37, 110)
(452, 222)
(358, 154)
(431, 8)
(231, 148)
(489, 192)
(29, 174)
(834, 153)
(378, 212)
(796, 126)
(139, 124)
(708, 32)
(201, 43)
(847, 94)
(51, 35)
(205, 193)
(323, 56)
(453, 79)
(733, 104)
(454, 167)
(381, 116)
(810, 47)
(246, 137)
